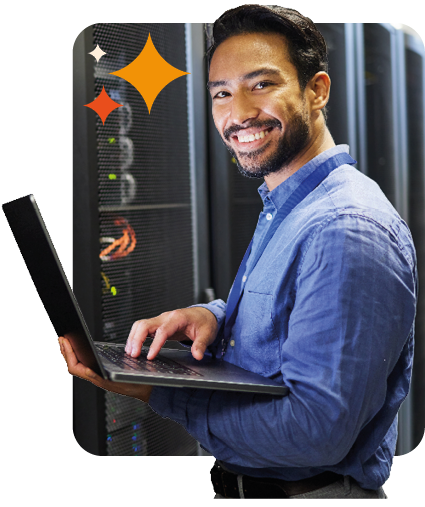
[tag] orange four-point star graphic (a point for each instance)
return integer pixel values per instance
(103, 105)
(149, 73)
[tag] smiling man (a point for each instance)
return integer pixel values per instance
(325, 297)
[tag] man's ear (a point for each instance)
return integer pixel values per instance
(318, 89)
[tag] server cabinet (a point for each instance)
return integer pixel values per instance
(138, 183)
(386, 113)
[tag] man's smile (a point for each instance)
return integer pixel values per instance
(251, 137)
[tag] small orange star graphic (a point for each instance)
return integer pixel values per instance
(103, 105)
(149, 73)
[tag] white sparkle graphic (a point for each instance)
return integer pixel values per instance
(97, 53)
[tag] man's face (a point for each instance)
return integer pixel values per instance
(258, 107)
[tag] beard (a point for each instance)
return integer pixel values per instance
(293, 141)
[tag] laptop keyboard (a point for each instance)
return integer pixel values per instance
(158, 365)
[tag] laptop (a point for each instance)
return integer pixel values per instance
(171, 367)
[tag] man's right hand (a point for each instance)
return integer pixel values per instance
(197, 324)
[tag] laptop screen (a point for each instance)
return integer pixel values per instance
(48, 276)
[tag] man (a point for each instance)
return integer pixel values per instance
(325, 304)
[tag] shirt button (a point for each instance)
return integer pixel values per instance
(244, 279)
(269, 216)
(232, 343)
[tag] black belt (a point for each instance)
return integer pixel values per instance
(226, 484)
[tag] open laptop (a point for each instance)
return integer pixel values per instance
(177, 368)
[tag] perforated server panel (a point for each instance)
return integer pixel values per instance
(149, 195)
(133, 188)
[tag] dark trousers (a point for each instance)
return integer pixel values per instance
(344, 488)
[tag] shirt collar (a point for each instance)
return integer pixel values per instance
(281, 193)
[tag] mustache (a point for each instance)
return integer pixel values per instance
(234, 129)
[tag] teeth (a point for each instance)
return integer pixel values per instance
(252, 137)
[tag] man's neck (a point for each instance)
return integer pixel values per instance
(317, 145)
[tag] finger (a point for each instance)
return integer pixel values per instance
(205, 335)
(69, 354)
(137, 335)
(131, 336)
(139, 332)
(198, 351)
(199, 346)
(175, 323)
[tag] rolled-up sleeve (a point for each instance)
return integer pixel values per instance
(352, 316)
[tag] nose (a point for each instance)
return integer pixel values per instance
(243, 109)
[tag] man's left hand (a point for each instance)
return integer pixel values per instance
(139, 391)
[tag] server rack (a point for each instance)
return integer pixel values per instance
(385, 113)
(138, 174)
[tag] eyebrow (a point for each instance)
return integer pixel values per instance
(260, 72)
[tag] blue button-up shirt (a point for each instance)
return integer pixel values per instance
(328, 310)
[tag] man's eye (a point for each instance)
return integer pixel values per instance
(221, 95)
(261, 85)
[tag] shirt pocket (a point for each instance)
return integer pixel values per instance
(258, 341)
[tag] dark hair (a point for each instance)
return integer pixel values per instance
(306, 45)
